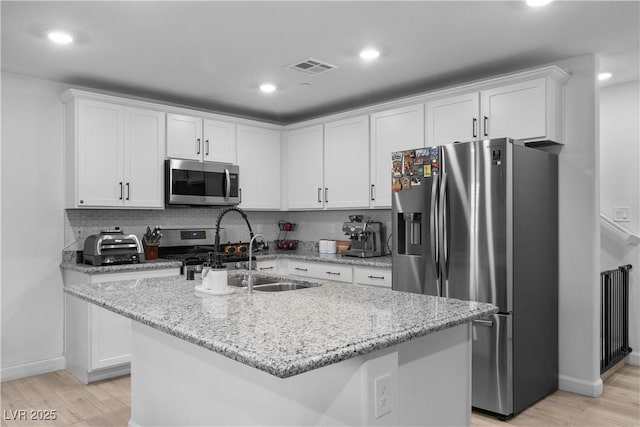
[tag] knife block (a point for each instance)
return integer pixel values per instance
(150, 251)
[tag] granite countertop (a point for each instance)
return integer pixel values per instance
(314, 256)
(121, 268)
(282, 333)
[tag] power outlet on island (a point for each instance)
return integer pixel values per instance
(382, 395)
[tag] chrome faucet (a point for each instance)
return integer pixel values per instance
(250, 276)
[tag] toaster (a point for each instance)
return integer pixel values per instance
(112, 247)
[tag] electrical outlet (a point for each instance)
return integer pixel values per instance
(382, 395)
(621, 214)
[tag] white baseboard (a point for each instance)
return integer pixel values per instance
(585, 388)
(32, 368)
(634, 358)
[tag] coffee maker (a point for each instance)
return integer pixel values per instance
(366, 237)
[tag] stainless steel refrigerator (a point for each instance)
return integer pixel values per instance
(479, 221)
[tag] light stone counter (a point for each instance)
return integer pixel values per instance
(157, 264)
(314, 256)
(282, 333)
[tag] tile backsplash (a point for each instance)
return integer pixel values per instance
(310, 225)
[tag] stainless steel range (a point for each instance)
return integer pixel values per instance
(195, 246)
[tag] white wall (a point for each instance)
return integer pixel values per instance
(620, 186)
(579, 239)
(32, 226)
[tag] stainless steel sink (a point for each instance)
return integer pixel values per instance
(268, 284)
(279, 286)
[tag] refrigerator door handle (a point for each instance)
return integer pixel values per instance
(443, 235)
(432, 230)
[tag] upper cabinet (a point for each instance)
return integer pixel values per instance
(303, 172)
(193, 138)
(529, 109)
(392, 130)
(346, 163)
(113, 155)
(453, 119)
(259, 162)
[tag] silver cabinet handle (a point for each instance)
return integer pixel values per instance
(128, 191)
(198, 146)
(319, 195)
(227, 179)
(481, 322)
(266, 268)
(475, 127)
(376, 277)
(334, 273)
(206, 149)
(240, 194)
(121, 191)
(326, 195)
(373, 191)
(300, 269)
(486, 126)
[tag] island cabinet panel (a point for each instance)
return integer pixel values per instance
(114, 155)
(98, 341)
(303, 153)
(428, 384)
(346, 163)
(259, 161)
(392, 130)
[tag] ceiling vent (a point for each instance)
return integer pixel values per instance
(312, 67)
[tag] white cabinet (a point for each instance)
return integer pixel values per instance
(453, 119)
(368, 276)
(392, 130)
(259, 161)
(268, 266)
(98, 341)
(529, 110)
(346, 163)
(194, 138)
(114, 155)
(303, 179)
(322, 271)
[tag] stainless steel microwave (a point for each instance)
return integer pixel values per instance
(189, 182)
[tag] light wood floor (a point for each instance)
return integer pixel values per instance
(106, 403)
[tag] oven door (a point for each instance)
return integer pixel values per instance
(189, 182)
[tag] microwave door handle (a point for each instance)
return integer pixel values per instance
(227, 178)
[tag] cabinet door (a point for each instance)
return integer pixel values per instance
(378, 277)
(143, 158)
(259, 161)
(184, 137)
(100, 140)
(110, 338)
(515, 111)
(346, 163)
(453, 119)
(219, 142)
(304, 168)
(392, 130)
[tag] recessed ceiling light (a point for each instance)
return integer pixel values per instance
(604, 76)
(538, 3)
(60, 37)
(267, 87)
(369, 54)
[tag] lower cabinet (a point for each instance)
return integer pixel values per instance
(365, 276)
(269, 266)
(98, 341)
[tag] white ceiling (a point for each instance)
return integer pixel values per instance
(213, 54)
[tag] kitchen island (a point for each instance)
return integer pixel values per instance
(330, 354)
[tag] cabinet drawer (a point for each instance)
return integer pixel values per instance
(322, 271)
(270, 266)
(372, 277)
